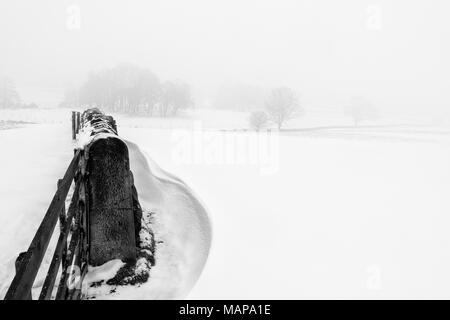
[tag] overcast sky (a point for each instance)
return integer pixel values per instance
(395, 52)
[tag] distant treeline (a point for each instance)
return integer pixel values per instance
(9, 97)
(130, 89)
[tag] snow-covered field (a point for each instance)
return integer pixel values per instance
(335, 212)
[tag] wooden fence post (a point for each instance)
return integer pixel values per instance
(22, 256)
(73, 126)
(78, 122)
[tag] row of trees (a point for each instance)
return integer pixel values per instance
(9, 97)
(130, 89)
(283, 105)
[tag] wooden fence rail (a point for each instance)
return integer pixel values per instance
(29, 262)
(65, 259)
(102, 193)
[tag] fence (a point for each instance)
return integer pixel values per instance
(83, 234)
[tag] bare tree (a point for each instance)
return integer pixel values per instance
(258, 120)
(282, 106)
(360, 109)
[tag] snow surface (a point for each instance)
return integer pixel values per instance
(182, 233)
(349, 212)
(181, 224)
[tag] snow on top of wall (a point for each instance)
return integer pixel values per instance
(95, 126)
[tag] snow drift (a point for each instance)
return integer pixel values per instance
(181, 231)
(180, 223)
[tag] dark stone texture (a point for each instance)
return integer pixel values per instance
(112, 211)
(137, 212)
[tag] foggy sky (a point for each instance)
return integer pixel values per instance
(327, 50)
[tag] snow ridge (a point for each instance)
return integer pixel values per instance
(174, 223)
